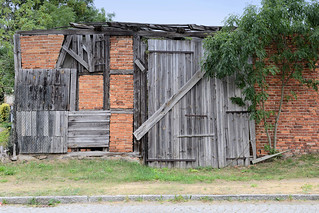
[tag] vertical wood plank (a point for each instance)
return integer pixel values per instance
(137, 91)
(106, 74)
(252, 138)
(73, 82)
(220, 123)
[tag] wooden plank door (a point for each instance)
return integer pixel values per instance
(185, 136)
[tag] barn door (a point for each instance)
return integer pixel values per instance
(43, 97)
(191, 120)
(185, 136)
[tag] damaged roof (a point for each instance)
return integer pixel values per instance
(129, 28)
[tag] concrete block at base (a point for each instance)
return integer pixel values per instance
(72, 199)
(106, 198)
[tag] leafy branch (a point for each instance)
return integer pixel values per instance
(277, 42)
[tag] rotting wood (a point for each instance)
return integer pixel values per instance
(167, 106)
(268, 157)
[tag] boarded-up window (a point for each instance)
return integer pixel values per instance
(88, 51)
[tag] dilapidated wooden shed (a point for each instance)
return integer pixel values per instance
(91, 86)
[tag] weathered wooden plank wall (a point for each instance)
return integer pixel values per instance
(44, 89)
(42, 131)
(204, 128)
(88, 129)
(43, 97)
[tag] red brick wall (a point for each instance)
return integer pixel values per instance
(90, 92)
(40, 51)
(121, 94)
(298, 128)
(121, 133)
(121, 91)
(121, 52)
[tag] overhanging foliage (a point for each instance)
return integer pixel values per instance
(280, 39)
(38, 14)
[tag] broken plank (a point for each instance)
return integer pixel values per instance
(140, 65)
(268, 157)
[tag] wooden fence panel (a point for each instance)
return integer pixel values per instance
(41, 131)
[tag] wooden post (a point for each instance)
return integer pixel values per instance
(17, 68)
(106, 74)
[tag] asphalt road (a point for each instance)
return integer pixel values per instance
(185, 207)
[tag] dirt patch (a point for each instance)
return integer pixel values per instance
(293, 186)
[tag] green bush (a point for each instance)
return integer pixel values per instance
(4, 137)
(4, 112)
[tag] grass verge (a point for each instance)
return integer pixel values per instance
(69, 177)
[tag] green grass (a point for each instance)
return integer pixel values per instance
(118, 171)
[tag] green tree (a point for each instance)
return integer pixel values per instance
(38, 14)
(280, 39)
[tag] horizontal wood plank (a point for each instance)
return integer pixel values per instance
(194, 136)
(121, 72)
(88, 144)
(88, 129)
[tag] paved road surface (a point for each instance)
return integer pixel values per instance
(154, 207)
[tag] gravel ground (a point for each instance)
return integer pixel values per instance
(154, 207)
